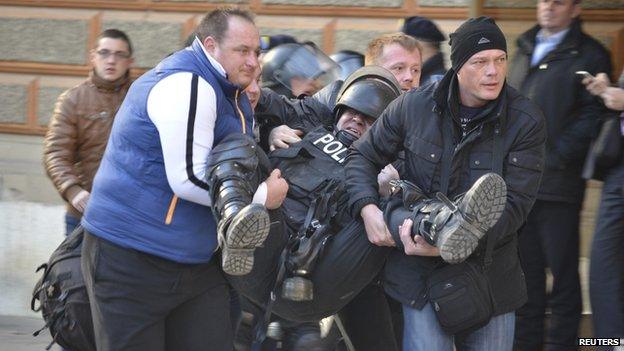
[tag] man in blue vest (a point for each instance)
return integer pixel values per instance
(149, 258)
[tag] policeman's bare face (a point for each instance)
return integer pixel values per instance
(556, 15)
(354, 122)
(111, 59)
(405, 65)
(253, 91)
(237, 51)
(482, 77)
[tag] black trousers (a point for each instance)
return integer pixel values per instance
(606, 274)
(550, 239)
(143, 302)
(347, 263)
(368, 320)
(345, 280)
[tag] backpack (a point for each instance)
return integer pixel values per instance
(62, 297)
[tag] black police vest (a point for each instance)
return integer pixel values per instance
(309, 167)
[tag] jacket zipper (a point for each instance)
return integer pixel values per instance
(240, 113)
(172, 206)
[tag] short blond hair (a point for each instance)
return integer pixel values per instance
(376, 46)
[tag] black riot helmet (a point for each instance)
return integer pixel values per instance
(349, 61)
(287, 67)
(368, 90)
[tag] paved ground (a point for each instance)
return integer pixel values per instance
(16, 334)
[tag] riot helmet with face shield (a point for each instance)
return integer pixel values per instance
(349, 62)
(297, 69)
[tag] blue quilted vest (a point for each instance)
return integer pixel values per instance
(131, 203)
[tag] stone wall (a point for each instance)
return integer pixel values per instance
(50, 45)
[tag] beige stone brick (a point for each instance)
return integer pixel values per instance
(13, 99)
(443, 3)
(302, 28)
(210, 1)
(44, 40)
(352, 39)
(152, 40)
(301, 34)
(588, 4)
(360, 3)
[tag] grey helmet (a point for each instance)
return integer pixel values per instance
(349, 61)
(286, 62)
(368, 90)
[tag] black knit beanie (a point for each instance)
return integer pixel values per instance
(474, 35)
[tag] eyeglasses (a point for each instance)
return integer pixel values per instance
(103, 53)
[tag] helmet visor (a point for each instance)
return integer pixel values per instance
(308, 65)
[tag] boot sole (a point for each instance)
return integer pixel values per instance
(249, 229)
(485, 201)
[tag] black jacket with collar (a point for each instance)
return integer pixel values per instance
(572, 114)
(414, 123)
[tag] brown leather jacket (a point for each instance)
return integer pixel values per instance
(78, 133)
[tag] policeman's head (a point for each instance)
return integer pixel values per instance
(268, 42)
(361, 100)
(349, 61)
(253, 90)
(423, 30)
(297, 69)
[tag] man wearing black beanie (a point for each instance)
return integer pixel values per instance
(466, 127)
(544, 69)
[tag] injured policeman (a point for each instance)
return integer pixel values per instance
(310, 257)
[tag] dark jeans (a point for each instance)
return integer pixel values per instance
(347, 264)
(606, 275)
(550, 238)
(143, 302)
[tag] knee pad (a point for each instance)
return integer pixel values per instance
(237, 166)
(240, 150)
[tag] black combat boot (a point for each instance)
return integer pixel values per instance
(237, 167)
(454, 227)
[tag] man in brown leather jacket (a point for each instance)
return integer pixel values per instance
(82, 120)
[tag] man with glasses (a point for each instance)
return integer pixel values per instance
(82, 120)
